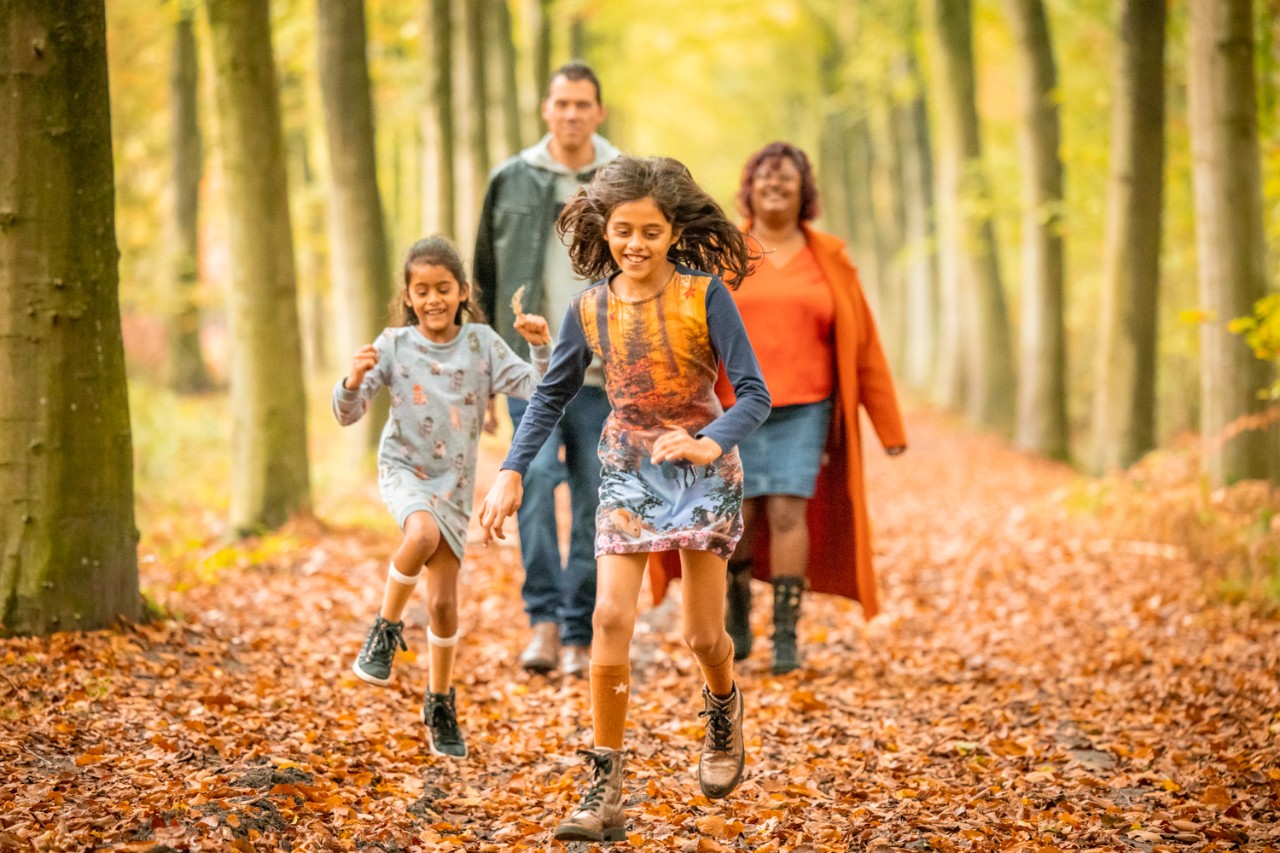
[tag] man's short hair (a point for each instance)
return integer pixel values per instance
(575, 71)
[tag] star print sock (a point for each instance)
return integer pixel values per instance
(610, 695)
(719, 676)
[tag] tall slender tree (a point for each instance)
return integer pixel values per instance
(357, 232)
(976, 319)
(269, 443)
(187, 371)
(1042, 380)
(1226, 174)
(439, 127)
(1125, 395)
(506, 77)
(68, 545)
(476, 115)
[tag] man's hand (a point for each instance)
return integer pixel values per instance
(678, 444)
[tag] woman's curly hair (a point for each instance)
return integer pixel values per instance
(769, 155)
(708, 240)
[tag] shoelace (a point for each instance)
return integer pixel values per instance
(444, 721)
(601, 765)
(386, 636)
(719, 726)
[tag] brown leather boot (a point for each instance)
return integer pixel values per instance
(543, 652)
(723, 751)
(599, 816)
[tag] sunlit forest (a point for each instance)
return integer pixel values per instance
(1065, 215)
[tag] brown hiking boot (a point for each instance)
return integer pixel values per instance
(543, 652)
(723, 750)
(599, 816)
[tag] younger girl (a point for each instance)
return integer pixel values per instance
(441, 374)
(670, 477)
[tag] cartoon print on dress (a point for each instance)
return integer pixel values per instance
(469, 399)
(402, 369)
(420, 472)
(396, 400)
(455, 418)
(473, 342)
(439, 450)
(456, 380)
(419, 396)
(436, 368)
(426, 426)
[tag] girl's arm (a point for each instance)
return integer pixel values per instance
(512, 375)
(563, 379)
(371, 369)
(729, 338)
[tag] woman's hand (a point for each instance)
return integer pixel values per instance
(366, 359)
(678, 444)
(533, 329)
(501, 502)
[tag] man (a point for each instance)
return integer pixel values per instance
(516, 247)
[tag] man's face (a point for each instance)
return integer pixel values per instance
(572, 112)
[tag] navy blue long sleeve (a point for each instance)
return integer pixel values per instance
(733, 348)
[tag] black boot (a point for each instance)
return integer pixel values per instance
(786, 611)
(737, 612)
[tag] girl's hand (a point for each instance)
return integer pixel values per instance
(533, 329)
(678, 444)
(503, 500)
(366, 359)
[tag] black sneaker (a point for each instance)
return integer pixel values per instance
(374, 663)
(440, 715)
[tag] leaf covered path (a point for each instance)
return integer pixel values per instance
(1032, 685)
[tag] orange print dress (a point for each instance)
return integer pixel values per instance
(661, 357)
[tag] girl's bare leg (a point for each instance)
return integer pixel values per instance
(442, 607)
(617, 590)
(421, 540)
(703, 601)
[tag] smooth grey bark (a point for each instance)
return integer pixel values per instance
(1230, 242)
(890, 216)
(68, 544)
(439, 127)
(186, 366)
(359, 260)
(1124, 414)
(1042, 379)
(269, 440)
(506, 78)
(976, 320)
(920, 279)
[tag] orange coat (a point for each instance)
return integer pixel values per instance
(840, 556)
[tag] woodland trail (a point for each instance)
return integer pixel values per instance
(1031, 685)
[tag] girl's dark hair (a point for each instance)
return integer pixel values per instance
(769, 155)
(437, 251)
(708, 240)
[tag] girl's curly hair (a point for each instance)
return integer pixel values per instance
(708, 240)
(437, 251)
(770, 155)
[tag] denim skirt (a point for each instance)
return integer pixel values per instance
(782, 457)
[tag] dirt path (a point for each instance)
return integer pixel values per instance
(1031, 685)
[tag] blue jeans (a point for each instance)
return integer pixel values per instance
(556, 589)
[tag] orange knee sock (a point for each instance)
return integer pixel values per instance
(719, 675)
(610, 695)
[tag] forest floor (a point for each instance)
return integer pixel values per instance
(1035, 682)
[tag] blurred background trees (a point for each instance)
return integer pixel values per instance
(1058, 207)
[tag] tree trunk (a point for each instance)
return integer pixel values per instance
(67, 534)
(1042, 392)
(438, 129)
(1124, 400)
(920, 273)
(187, 372)
(506, 78)
(542, 46)
(475, 110)
(1226, 174)
(359, 263)
(971, 274)
(269, 446)
(889, 214)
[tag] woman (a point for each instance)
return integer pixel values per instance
(805, 508)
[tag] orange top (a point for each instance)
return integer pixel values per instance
(790, 314)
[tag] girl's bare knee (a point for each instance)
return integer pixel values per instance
(613, 620)
(703, 644)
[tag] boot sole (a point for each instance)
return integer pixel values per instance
(367, 678)
(573, 833)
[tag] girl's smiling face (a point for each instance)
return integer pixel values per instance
(434, 296)
(639, 237)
